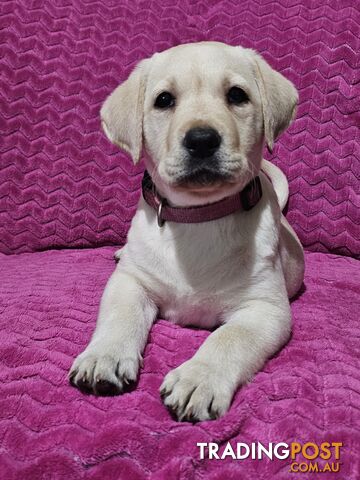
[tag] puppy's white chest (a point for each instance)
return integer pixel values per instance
(190, 313)
(194, 273)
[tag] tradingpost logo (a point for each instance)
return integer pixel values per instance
(302, 457)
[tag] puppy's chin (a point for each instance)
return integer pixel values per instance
(202, 180)
(193, 195)
(207, 193)
(202, 189)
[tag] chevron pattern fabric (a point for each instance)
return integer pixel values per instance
(63, 185)
(309, 392)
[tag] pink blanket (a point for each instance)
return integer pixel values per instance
(308, 392)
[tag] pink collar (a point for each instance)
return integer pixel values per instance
(244, 200)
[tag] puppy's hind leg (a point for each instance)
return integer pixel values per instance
(292, 258)
(113, 355)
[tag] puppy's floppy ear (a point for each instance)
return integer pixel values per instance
(122, 112)
(279, 99)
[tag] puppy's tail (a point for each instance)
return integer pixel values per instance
(278, 180)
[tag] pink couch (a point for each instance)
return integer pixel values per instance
(67, 197)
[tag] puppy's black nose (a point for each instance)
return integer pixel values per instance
(202, 142)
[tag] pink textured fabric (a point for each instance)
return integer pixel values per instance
(62, 184)
(49, 430)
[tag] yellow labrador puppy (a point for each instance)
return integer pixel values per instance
(208, 245)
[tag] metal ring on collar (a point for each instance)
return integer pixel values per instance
(160, 220)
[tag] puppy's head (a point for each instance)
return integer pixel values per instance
(202, 111)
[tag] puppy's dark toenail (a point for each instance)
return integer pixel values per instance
(72, 376)
(164, 394)
(173, 413)
(191, 418)
(214, 414)
(106, 388)
(84, 385)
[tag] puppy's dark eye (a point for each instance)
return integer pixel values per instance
(165, 100)
(236, 96)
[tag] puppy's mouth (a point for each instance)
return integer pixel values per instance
(201, 179)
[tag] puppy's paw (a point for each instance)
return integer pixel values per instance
(196, 391)
(102, 372)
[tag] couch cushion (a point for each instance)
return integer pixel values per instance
(63, 184)
(48, 429)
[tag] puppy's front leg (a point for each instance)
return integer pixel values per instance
(202, 387)
(113, 355)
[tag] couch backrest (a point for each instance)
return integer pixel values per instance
(61, 182)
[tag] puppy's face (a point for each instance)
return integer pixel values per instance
(202, 111)
(202, 117)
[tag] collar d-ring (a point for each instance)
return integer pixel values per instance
(160, 220)
(159, 202)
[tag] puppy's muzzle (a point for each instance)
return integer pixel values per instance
(202, 165)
